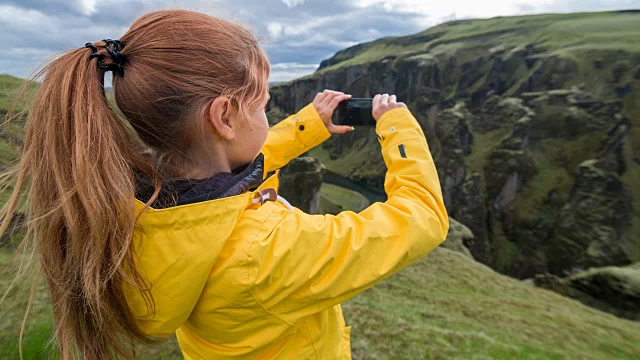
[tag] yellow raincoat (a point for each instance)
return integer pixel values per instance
(236, 278)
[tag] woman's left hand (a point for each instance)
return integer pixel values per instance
(326, 103)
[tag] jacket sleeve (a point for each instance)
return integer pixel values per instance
(310, 262)
(293, 136)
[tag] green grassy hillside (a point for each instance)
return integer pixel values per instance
(9, 87)
(445, 306)
(567, 34)
(334, 199)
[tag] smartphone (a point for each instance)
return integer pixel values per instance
(355, 111)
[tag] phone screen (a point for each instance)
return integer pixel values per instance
(355, 111)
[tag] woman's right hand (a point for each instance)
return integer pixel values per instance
(383, 103)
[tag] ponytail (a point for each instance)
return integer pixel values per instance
(78, 159)
(80, 152)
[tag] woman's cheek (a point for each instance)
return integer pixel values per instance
(265, 127)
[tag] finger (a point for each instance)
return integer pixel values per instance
(320, 97)
(328, 93)
(334, 102)
(403, 105)
(392, 99)
(331, 97)
(340, 129)
(384, 100)
(376, 101)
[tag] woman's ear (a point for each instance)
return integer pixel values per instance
(221, 118)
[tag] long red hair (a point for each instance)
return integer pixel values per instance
(80, 150)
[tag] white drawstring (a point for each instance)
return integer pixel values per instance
(265, 196)
(285, 202)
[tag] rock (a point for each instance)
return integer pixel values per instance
(500, 112)
(619, 70)
(597, 112)
(592, 228)
(469, 208)
(506, 171)
(623, 90)
(553, 72)
(300, 183)
(528, 178)
(612, 289)
(275, 115)
(453, 130)
(451, 172)
(472, 71)
(610, 155)
(497, 50)
(519, 138)
(457, 237)
(549, 281)
(568, 114)
(598, 63)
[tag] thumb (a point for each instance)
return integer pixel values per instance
(340, 129)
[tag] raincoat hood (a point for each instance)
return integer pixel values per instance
(181, 191)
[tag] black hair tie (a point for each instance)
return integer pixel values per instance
(118, 59)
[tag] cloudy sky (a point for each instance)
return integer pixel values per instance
(297, 34)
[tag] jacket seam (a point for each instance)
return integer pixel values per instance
(313, 345)
(391, 114)
(249, 269)
(269, 311)
(400, 140)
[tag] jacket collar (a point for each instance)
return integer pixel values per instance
(182, 191)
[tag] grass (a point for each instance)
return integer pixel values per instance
(362, 159)
(9, 86)
(37, 340)
(447, 306)
(533, 194)
(482, 146)
(344, 198)
(631, 178)
(559, 34)
(444, 306)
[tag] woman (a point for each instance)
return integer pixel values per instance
(165, 217)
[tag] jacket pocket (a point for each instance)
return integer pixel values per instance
(346, 343)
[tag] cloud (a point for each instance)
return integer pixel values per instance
(275, 30)
(288, 71)
(293, 3)
(578, 5)
(297, 34)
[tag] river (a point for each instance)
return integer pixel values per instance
(373, 195)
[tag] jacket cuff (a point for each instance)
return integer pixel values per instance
(310, 128)
(397, 125)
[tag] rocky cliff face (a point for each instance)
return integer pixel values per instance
(610, 288)
(300, 183)
(537, 143)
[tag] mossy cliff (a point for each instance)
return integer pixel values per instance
(534, 122)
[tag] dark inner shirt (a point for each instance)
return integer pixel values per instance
(180, 191)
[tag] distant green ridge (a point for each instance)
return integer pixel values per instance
(576, 33)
